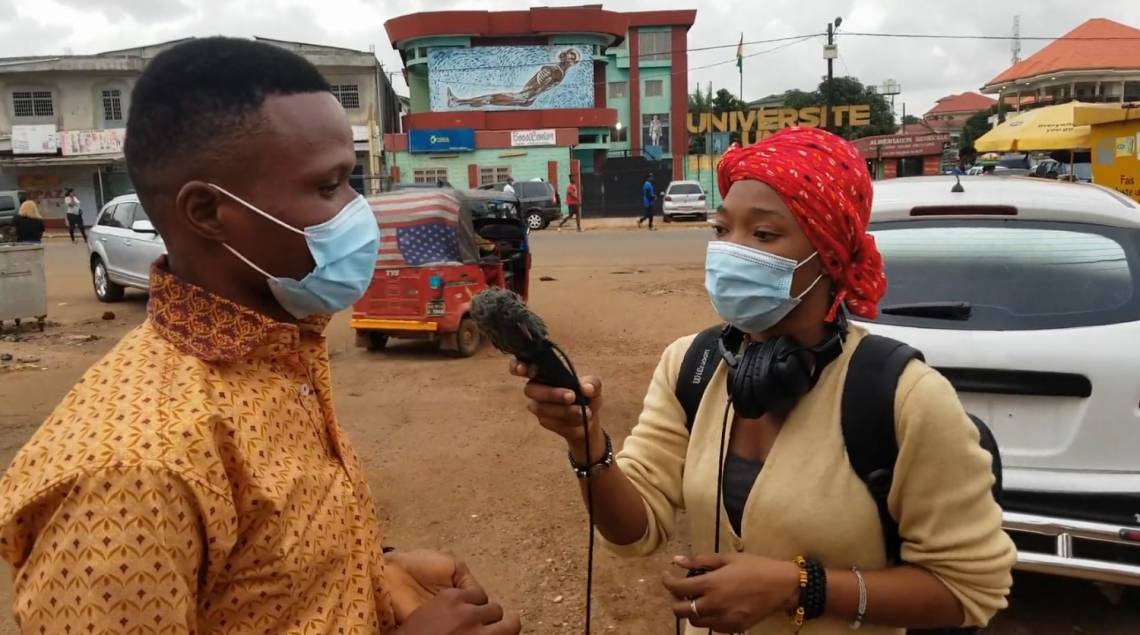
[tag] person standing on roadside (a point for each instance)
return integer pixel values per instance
(648, 199)
(803, 540)
(509, 188)
(74, 215)
(574, 203)
(197, 480)
(29, 223)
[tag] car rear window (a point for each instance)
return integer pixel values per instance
(685, 188)
(1014, 275)
(532, 189)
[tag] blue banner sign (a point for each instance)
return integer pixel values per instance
(442, 140)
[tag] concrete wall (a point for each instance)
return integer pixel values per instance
(525, 164)
(77, 100)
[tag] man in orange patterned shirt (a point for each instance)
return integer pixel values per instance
(196, 479)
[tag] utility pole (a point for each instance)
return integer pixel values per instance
(830, 52)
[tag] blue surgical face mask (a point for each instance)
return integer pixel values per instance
(751, 289)
(345, 248)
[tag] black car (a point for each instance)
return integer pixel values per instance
(537, 200)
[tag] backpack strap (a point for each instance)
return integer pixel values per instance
(697, 368)
(867, 416)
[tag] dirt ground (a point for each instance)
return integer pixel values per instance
(453, 458)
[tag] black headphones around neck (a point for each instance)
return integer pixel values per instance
(773, 375)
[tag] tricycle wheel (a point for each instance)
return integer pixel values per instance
(377, 341)
(468, 338)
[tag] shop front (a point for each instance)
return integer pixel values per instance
(900, 155)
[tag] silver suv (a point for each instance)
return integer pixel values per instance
(123, 244)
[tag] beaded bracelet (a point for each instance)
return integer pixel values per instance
(813, 592)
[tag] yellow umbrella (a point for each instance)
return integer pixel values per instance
(1094, 114)
(1047, 128)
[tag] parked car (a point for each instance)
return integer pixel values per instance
(1053, 169)
(123, 244)
(537, 200)
(684, 199)
(1025, 293)
(10, 201)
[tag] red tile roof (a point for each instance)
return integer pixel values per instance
(966, 102)
(1074, 51)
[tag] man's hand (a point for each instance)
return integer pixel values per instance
(739, 590)
(460, 612)
(414, 577)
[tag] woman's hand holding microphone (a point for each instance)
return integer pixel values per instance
(557, 412)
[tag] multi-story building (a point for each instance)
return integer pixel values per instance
(63, 117)
(950, 113)
(1099, 61)
(541, 93)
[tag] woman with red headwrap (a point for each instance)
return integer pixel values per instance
(791, 257)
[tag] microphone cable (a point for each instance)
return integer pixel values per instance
(589, 491)
(719, 490)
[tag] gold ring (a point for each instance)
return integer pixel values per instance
(693, 606)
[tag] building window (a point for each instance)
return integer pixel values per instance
(655, 45)
(655, 130)
(491, 174)
(347, 94)
(654, 87)
(32, 103)
(619, 135)
(429, 175)
(619, 90)
(112, 105)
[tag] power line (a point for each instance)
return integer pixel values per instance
(936, 36)
(773, 49)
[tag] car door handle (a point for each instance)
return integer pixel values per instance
(127, 242)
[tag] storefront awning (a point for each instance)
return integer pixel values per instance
(56, 161)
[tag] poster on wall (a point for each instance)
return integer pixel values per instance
(655, 131)
(46, 190)
(34, 139)
(511, 78)
(80, 142)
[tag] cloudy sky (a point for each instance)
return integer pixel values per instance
(925, 69)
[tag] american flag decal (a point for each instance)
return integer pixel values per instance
(417, 228)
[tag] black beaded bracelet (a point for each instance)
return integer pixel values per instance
(588, 470)
(813, 596)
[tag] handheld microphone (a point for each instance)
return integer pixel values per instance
(514, 329)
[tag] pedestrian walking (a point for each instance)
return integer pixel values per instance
(74, 215)
(509, 188)
(574, 203)
(29, 223)
(648, 198)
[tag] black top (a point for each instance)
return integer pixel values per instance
(29, 230)
(739, 476)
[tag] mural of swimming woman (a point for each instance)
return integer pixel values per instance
(511, 78)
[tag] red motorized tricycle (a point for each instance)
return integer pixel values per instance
(438, 249)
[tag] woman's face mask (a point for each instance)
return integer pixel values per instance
(751, 289)
(345, 248)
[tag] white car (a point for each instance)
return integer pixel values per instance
(1025, 293)
(685, 199)
(123, 244)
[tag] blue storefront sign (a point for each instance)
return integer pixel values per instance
(442, 140)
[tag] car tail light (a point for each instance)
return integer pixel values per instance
(1132, 535)
(701, 197)
(668, 199)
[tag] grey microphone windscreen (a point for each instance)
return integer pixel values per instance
(512, 328)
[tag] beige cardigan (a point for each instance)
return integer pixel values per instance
(807, 499)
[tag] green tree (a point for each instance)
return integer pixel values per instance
(977, 125)
(848, 91)
(725, 101)
(910, 119)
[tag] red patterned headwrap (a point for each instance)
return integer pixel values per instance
(824, 182)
